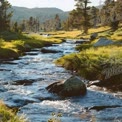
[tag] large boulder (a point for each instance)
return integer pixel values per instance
(73, 86)
(103, 42)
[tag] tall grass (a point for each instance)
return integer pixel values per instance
(91, 62)
(8, 115)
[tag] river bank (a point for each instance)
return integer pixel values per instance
(98, 59)
(13, 45)
(24, 81)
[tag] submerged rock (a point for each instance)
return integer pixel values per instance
(73, 86)
(24, 82)
(99, 108)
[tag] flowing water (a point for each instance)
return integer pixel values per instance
(23, 82)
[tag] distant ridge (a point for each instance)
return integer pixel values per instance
(20, 13)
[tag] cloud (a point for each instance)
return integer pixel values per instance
(62, 4)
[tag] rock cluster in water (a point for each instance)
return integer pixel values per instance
(73, 86)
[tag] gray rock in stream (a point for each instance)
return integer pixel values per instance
(73, 86)
(103, 42)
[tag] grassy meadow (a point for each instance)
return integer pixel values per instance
(13, 45)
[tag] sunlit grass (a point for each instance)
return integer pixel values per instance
(117, 35)
(90, 62)
(78, 33)
(66, 34)
(21, 43)
(8, 115)
(38, 37)
(98, 30)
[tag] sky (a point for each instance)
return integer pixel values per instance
(65, 5)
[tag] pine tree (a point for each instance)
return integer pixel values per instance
(94, 16)
(16, 27)
(83, 6)
(118, 10)
(23, 26)
(57, 22)
(5, 15)
(75, 18)
(66, 25)
(111, 13)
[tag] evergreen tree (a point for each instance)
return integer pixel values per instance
(118, 9)
(23, 26)
(5, 15)
(52, 24)
(94, 16)
(30, 22)
(75, 18)
(82, 5)
(66, 25)
(57, 22)
(111, 13)
(16, 27)
(33, 24)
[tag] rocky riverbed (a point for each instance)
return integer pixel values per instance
(23, 83)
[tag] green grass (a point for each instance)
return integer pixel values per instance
(90, 63)
(13, 45)
(8, 115)
(17, 43)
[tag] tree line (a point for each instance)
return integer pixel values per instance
(29, 25)
(85, 16)
(82, 18)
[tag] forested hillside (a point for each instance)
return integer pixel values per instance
(21, 13)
